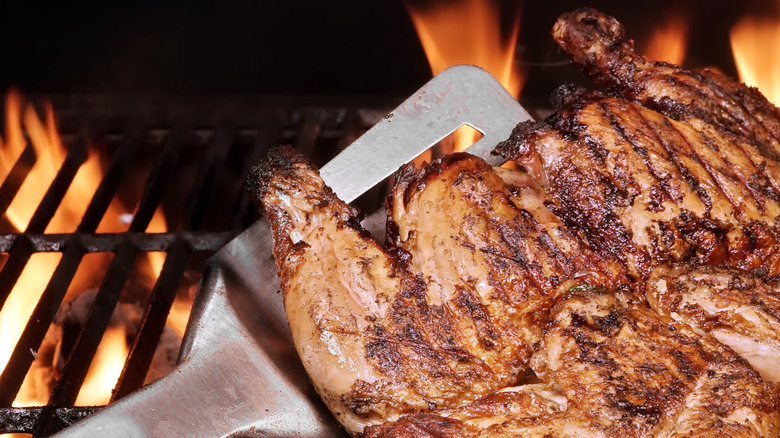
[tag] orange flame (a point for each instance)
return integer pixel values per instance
(755, 43)
(468, 32)
(50, 155)
(179, 315)
(669, 41)
(19, 306)
(105, 368)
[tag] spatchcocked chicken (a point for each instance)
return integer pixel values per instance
(623, 283)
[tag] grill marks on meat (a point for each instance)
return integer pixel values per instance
(647, 189)
(491, 271)
(534, 410)
(739, 310)
(615, 368)
(597, 44)
(381, 338)
(646, 375)
(491, 263)
(705, 99)
(336, 280)
(399, 344)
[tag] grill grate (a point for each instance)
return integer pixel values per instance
(195, 155)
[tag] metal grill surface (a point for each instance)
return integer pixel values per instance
(191, 157)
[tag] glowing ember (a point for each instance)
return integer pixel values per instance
(105, 368)
(468, 32)
(755, 43)
(669, 40)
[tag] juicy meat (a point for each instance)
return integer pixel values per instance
(597, 44)
(615, 368)
(669, 194)
(381, 338)
(336, 281)
(397, 346)
(646, 375)
(647, 189)
(496, 261)
(738, 309)
(533, 410)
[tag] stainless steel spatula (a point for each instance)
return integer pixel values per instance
(238, 372)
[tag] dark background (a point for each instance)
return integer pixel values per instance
(292, 47)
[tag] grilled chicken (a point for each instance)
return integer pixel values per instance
(395, 345)
(597, 44)
(641, 374)
(647, 189)
(662, 196)
(496, 260)
(380, 339)
(739, 130)
(615, 368)
(738, 309)
(532, 410)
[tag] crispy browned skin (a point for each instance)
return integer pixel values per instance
(597, 44)
(646, 375)
(533, 410)
(419, 348)
(616, 369)
(381, 339)
(647, 189)
(494, 258)
(491, 271)
(738, 309)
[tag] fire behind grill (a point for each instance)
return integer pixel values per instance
(195, 154)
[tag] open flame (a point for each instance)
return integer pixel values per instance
(468, 32)
(668, 41)
(755, 43)
(105, 368)
(50, 154)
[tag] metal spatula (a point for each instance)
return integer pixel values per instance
(238, 372)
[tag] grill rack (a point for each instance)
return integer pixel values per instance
(214, 139)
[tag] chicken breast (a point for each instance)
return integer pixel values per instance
(384, 332)
(738, 309)
(646, 189)
(493, 256)
(641, 374)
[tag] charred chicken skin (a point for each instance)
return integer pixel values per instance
(648, 189)
(631, 266)
(692, 184)
(597, 43)
(397, 346)
(738, 309)
(382, 339)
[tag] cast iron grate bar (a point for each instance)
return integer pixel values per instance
(214, 207)
(153, 322)
(53, 197)
(77, 365)
(46, 309)
(213, 165)
(43, 213)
